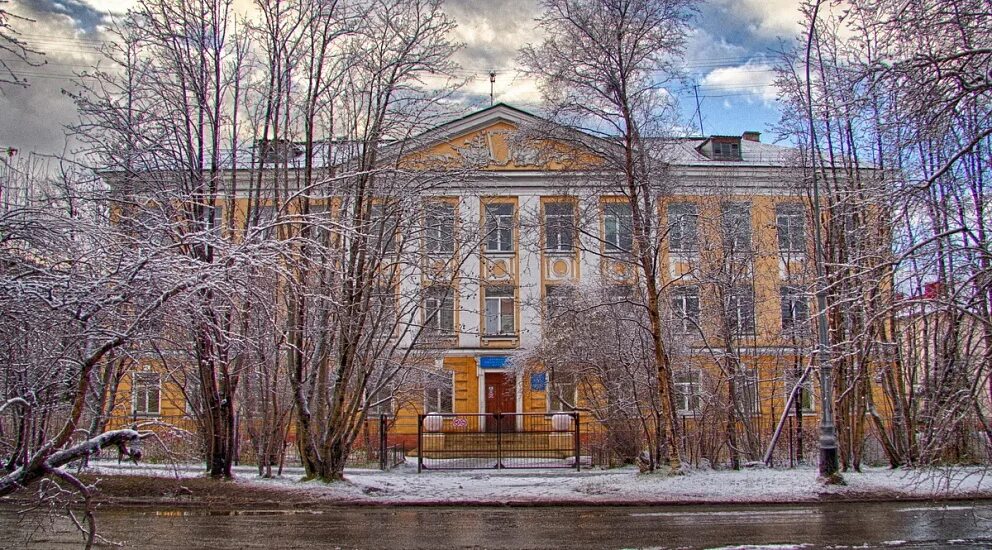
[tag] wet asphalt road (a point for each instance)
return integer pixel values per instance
(838, 525)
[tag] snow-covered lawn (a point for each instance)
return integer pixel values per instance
(403, 485)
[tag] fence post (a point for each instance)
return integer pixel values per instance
(499, 439)
(578, 441)
(383, 459)
(420, 442)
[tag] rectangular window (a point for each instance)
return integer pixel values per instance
(499, 311)
(384, 226)
(384, 308)
(736, 226)
(559, 220)
(790, 220)
(618, 226)
(439, 227)
(379, 402)
(558, 300)
(685, 308)
(746, 391)
(682, 222)
(688, 392)
(805, 398)
(562, 394)
(439, 311)
(499, 227)
(740, 311)
(726, 150)
(795, 308)
(439, 395)
(147, 388)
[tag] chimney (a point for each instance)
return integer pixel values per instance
(751, 136)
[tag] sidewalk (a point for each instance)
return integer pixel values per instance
(624, 486)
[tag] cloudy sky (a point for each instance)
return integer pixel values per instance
(728, 56)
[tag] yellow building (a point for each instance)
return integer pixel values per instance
(734, 265)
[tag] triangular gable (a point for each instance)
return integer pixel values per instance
(500, 138)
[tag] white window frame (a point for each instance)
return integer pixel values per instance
(559, 235)
(434, 400)
(683, 228)
(737, 234)
(687, 318)
(439, 227)
(439, 311)
(793, 300)
(556, 299)
(504, 298)
(141, 391)
(740, 309)
(384, 226)
(790, 225)
(618, 227)
(499, 224)
(688, 389)
(748, 382)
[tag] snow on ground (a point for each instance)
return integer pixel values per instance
(403, 485)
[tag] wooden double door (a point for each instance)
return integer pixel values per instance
(501, 397)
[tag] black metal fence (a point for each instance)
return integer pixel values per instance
(499, 440)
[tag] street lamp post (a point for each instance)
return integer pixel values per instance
(829, 463)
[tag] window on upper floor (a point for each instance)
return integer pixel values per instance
(439, 311)
(499, 314)
(685, 308)
(439, 393)
(439, 227)
(383, 226)
(384, 309)
(688, 391)
(683, 219)
(559, 224)
(735, 224)
(618, 227)
(147, 393)
(558, 300)
(726, 150)
(790, 221)
(740, 311)
(795, 308)
(499, 227)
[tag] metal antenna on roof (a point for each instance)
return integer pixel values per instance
(492, 87)
(699, 112)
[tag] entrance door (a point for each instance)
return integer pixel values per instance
(501, 397)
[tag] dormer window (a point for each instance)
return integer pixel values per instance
(721, 148)
(726, 150)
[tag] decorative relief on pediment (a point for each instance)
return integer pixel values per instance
(498, 148)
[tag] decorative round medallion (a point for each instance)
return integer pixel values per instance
(560, 268)
(499, 269)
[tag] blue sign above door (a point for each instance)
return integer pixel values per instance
(493, 362)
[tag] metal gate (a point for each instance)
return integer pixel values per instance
(498, 440)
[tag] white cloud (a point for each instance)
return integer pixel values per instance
(755, 79)
(769, 18)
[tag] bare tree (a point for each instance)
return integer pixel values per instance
(601, 66)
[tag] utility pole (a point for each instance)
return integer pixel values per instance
(829, 463)
(699, 112)
(492, 88)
